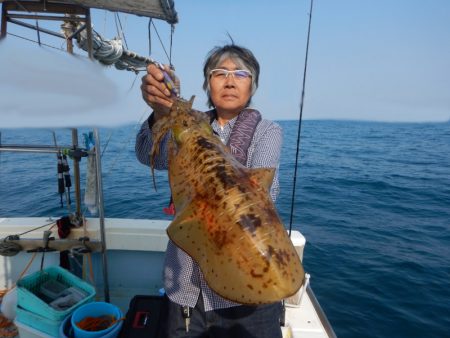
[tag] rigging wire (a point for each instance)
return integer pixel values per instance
(38, 32)
(41, 44)
(300, 121)
(160, 40)
(120, 32)
(150, 36)
(19, 4)
(172, 31)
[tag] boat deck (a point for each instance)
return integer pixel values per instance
(144, 242)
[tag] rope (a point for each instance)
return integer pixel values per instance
(4, 291)
(107, 52)
(7, 328)
(111, 52)
(300, 120)
(9, 249)
(168, 7)
(28, 266)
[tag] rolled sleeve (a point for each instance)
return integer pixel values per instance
(144, 143)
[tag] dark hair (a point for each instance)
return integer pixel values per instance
(243, 58)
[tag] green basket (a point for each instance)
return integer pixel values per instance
(28, 289)
(37, 322)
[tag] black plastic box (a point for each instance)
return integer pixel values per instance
(145, 317)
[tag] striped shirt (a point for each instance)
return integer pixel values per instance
(183, 280)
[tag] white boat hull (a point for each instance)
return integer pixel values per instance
(135, 257)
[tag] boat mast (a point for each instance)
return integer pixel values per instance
(47, 11)
(77, 18)
(71, 15)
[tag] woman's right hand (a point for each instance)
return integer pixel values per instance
(154, 90)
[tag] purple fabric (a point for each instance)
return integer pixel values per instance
(242, 133)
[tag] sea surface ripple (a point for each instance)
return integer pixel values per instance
(372, 200)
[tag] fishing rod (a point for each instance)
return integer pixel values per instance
(283, 313)
(300, 120)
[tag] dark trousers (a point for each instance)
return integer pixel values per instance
(236, 322)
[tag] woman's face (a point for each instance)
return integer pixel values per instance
(230, 94)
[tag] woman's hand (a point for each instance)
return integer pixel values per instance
(155, 91)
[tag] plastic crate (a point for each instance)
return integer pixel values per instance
(28, 290)
(36, 326)
(26, 331)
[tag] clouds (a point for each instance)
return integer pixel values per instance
(383, 61)
(43, 87)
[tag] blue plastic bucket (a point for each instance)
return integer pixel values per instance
(96, 309)
(66, 331)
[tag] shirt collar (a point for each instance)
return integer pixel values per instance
(229, 124)
(224, 132)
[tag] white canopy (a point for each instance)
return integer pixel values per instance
(158, 9)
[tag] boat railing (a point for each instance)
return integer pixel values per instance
(76, 154)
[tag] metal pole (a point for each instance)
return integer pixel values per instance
(69, 45)
(42, 30)
(3, 24)
(36, 148)
(101, 212)
(89, 34)
(76, 175)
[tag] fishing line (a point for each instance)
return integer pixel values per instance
(127, 142)
(136, 71)
(106, 144)
(300, 120)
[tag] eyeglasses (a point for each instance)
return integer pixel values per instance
(222, 74)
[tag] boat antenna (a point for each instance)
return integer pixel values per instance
(300, 120)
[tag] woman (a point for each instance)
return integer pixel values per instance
(231, 76)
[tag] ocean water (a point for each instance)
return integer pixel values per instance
(372, 199)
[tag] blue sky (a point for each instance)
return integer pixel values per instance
(369, 60)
